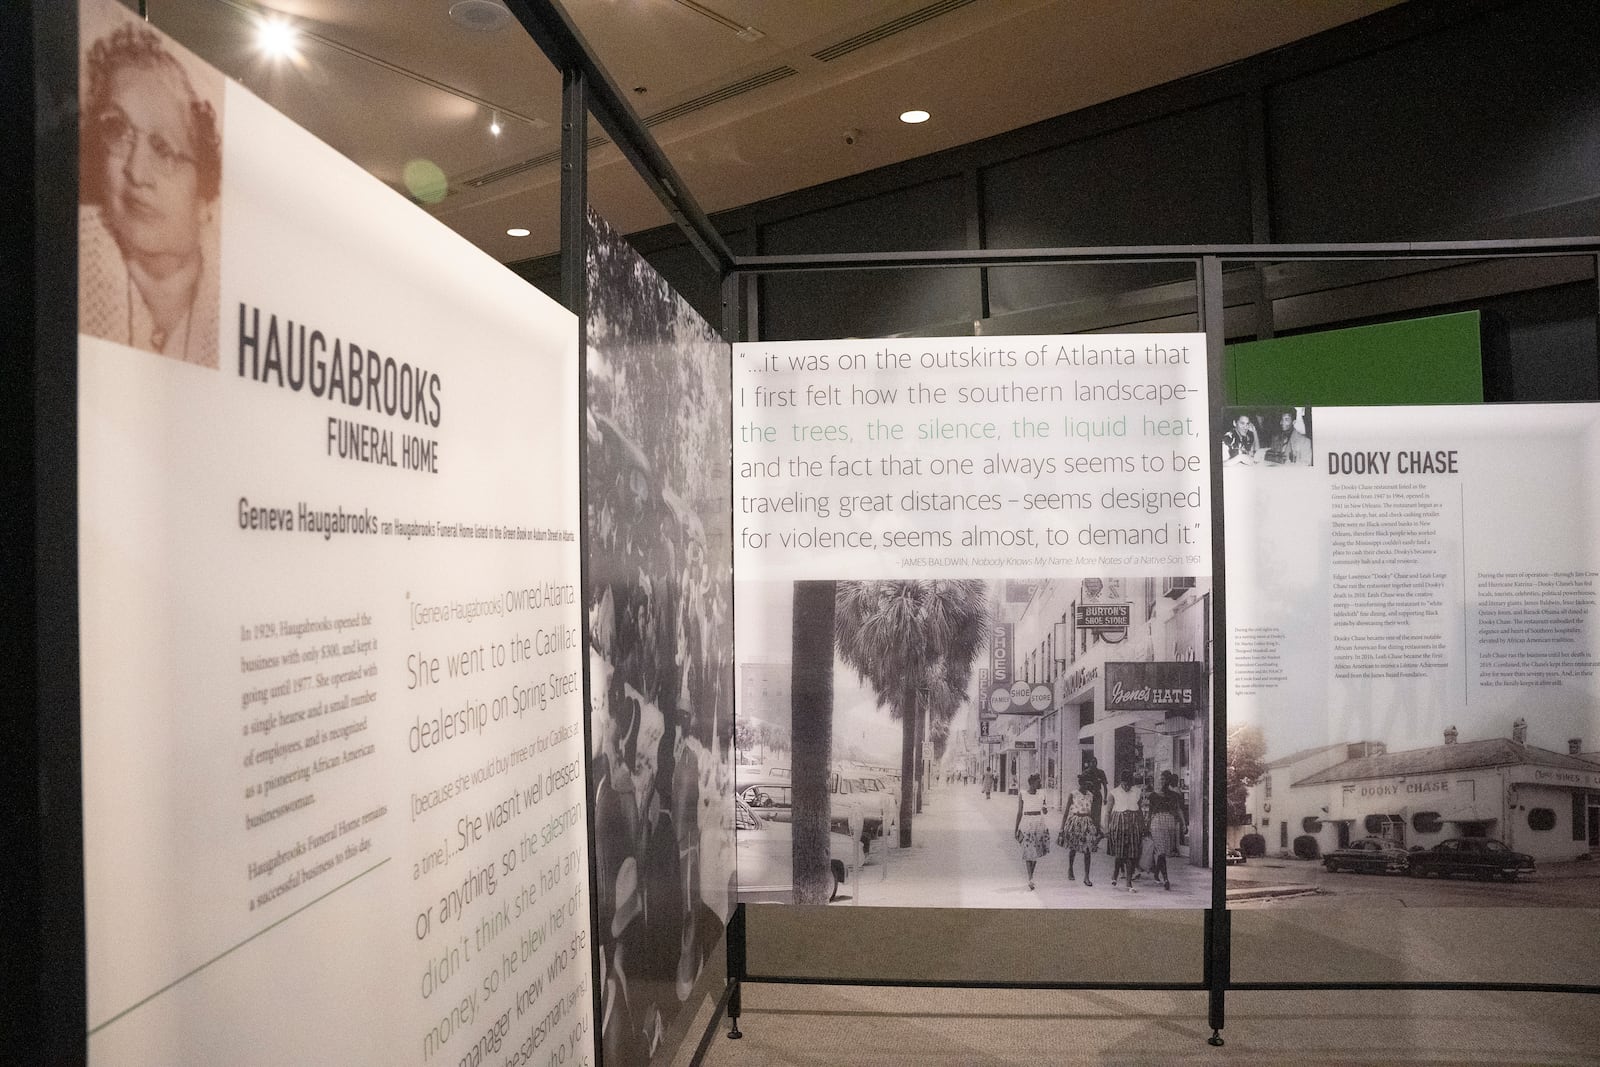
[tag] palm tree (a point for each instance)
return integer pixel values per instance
(947, 691)
(811, 739)
(909, 640)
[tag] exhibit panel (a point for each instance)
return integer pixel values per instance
(333, 771)
(1413, 651)
(661, 636)
(973, 622)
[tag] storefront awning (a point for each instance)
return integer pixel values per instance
(1469, 813)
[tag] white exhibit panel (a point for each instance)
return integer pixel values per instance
(1009, 539)
(333, 767)
(1413, 652)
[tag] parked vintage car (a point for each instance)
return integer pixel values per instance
(1480, 857)
(863, 796)
(1370, 855)
(770, 799)
(856, 796)
(766, 857)
(1235, 857)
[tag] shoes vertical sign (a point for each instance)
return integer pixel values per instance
(332, 747)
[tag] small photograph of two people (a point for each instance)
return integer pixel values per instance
(1267, 436)
(150, 158)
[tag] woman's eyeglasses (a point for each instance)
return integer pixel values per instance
(119, 134)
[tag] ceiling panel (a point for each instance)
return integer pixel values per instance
(748, 98)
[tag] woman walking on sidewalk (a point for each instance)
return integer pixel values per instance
(1032, 832)
(1122, 837)
(1079, 832)
(1167, 815)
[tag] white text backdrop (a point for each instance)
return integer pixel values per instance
(1416, 553)
(330, 780)
(929, 457)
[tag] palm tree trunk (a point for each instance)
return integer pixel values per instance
(811, 739)
(908, 763)
(922, 735)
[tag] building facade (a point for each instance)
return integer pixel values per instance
(1117, 669)
(1535, 800)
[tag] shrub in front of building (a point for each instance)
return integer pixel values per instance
(1305, 847)
(1253, 845)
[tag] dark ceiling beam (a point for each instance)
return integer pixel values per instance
(1244, 253)
(553, 31)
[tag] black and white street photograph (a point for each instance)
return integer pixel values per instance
(660, 624)
(1475, 819)
(974, 743)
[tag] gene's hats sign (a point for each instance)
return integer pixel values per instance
(1175, 688)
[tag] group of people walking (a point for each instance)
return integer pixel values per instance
(1137, 828)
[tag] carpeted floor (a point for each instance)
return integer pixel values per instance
(789, 1025)
(802, 1026)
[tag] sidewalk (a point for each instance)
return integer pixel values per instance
(964, 856)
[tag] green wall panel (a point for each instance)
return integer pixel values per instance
(1434, 360)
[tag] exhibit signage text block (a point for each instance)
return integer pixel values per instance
(333, 768)
(1412, 639)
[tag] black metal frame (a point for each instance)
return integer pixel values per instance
(1209, 263)
(43, 826)
(44, 1001)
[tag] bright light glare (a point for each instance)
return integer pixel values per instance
(276, 38)
(494, 127)
(914, 116)
(518, 231)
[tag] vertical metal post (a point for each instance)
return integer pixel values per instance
(750, 290)
(41, 824)
(1265, 329)
(574, 188)
(1217, 931)
(733, 307)
(736, 969)
(1258, 167)
(972, 186)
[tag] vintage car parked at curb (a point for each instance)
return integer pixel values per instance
(863, 795)
(769, 798)
(853, 799)
(1235, 857)
(766, 857)
(1480, 857)
(1370, 855)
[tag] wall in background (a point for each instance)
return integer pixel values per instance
(1432, 120)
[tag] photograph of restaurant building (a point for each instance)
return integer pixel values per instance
(1116, 668)
(1535, 800)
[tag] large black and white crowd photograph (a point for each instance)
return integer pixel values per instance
(660, 619)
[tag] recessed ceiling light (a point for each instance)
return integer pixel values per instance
(914, 116)
(518, 231)
(482, 16)
(276, 38)
(494, 126)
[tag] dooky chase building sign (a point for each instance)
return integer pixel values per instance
(1175, 688)
(1392, 789)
